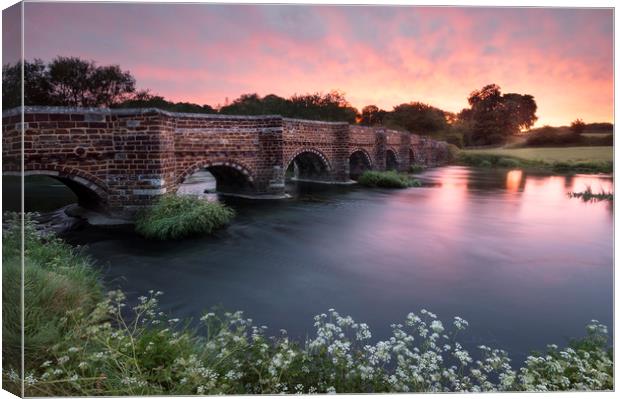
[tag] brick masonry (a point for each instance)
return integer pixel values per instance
(120, 160)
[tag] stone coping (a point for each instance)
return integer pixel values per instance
(40, 109)
(37, 109)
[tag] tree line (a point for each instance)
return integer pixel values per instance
(491, 118)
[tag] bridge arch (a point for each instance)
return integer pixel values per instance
(391, 159)
(91, 192)
(310, 164)
(359, 161)
(230, 176)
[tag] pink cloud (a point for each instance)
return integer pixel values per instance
(377, 55)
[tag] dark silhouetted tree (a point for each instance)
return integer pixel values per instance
(328, 107)
(418, 118)
(492, 117)
(66, 81)
(372, 115)
(144, 99)
(577, 127)
(79, 83)
(37, 88)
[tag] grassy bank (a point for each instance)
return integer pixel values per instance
(102, 346)
(557, 160)
(174, 217)
(552, 154)
(387, 179)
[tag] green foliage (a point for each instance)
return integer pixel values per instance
(387, 179)
(455, 139)
(417, 168)
(589, 196)
(57, 278)
(551, 136)
(174, 217)
(143, 99)
(548, 136)
(331, 106)
(505, 162)
(492, 117)
(417, 117)
(501, 161)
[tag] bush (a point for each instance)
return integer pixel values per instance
(599, 140)
(175, 216)
(551, 136)
(505, 162)
(388, 179)
(456, 140)
(417, 168)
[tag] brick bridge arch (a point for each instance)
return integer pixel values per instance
(129, 157)
(364, 153)
(231, 176)
(90, 191)
(319, 154)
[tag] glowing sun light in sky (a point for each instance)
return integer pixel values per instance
(377, 55)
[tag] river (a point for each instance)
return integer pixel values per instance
(506, 250)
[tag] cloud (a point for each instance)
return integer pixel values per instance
(377, 55)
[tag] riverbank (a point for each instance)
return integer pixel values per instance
(80, 342)
(560, 160)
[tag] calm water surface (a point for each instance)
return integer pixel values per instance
(507, 251)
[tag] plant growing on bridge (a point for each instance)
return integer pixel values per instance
(176, 216)
(388, 179)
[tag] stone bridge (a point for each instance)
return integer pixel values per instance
(119, 160)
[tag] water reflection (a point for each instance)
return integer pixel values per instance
(508, 251)
(513, 180)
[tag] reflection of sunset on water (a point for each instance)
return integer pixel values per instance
(583, 182)
(513, 180)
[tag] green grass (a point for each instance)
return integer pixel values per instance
(552, 154)
(174, 217)
(557, 160)
(387, 179)
(58, 278)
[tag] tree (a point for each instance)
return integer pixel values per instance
(79, 83)
(144, 99)
(66, 81)
(328, 107)
(577, 127)
(37, 89)
(418, 117)
(372, 115)
(492, 117)
(332, 106)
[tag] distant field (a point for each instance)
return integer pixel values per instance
(552, 154)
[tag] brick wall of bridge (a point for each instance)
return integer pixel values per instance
(128, 157)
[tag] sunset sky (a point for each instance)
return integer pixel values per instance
(376, 55)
